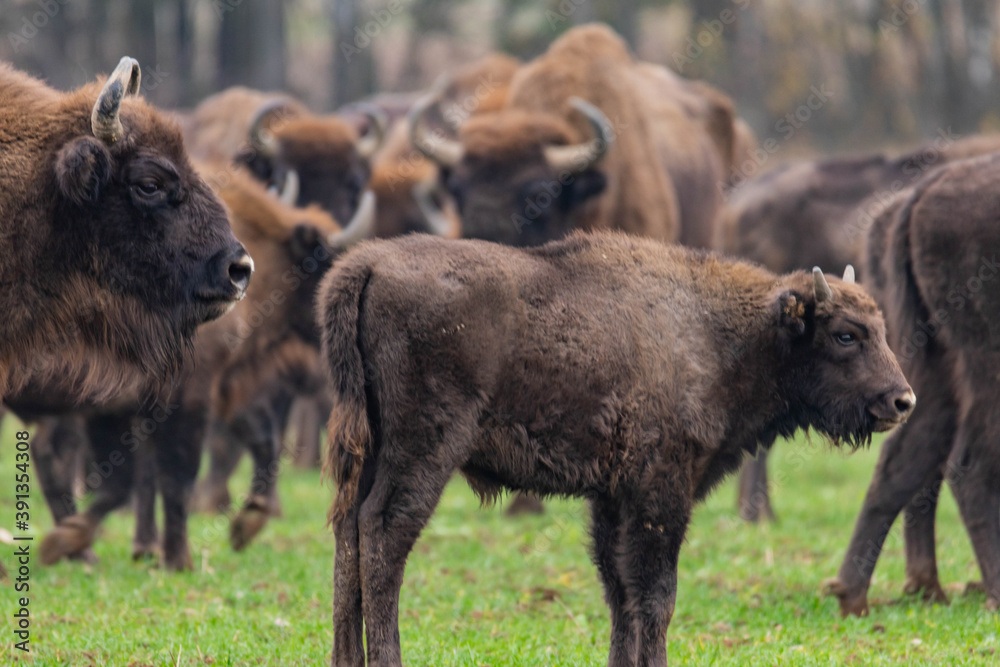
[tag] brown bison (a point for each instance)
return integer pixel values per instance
(932, 263)
(606, 366)
(269, 341)
(817, 213)
(116, 248)
(589, 138)
(306, 158)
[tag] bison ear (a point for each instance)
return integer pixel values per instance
(792, 313)
(83, 168)
(588, 183)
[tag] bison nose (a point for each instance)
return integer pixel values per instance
(904, 403)
(240, 270)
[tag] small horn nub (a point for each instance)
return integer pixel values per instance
(105, 121)
(849, 274)
(821, 287)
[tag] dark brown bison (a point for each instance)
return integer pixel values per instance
(306, 158)
(265, 346)
(817, 213)
(589, 138)
(932, 263)
(116, 248)
(610, 367)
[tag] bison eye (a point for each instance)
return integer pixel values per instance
(148, 188)
(846, 339)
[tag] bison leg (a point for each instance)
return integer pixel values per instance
(110, 478)
(224, 453)
(55, 448)
(401, 502)
(348, 618)
(971, 476)
(146, 540)
(178, 454)
(918, 532)
(755, 499)
(607, 535)
(306, 418)
(655, 523)
(908, 466)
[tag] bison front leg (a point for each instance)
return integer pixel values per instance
(111, 479)
(178, 454)
(608, 546)
(145, 542)
(655, 522)
(224, 453)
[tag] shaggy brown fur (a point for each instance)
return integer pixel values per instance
(933, 262)
(322, 150)
(817, 213)
(116, 252)
(267, 341)
(660, 178)
(605, 366)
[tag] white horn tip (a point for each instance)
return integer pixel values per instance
(849, 274)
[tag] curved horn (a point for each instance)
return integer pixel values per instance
(578, 157)
(437, 222)
(261, 139)
(849, 274)
(821, 287)
(369, 144)
(104, 120)
(361, 226)
(446, 152)
(289, 192)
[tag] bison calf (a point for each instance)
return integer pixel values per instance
(614, 368)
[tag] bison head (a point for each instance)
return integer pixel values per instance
(841, 369)
(133, 220)
(517, 177)
(310, 159)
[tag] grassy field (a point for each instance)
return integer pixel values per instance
(482, 589)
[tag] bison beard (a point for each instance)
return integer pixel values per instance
(614, 368)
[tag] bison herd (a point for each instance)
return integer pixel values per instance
(185, 280)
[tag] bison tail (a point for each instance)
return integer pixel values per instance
(349, 429)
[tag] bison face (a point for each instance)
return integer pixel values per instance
(156, 237)
(843, 371)
(516, 177)
(312, 160)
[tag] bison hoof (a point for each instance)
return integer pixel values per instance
(974, 587)
(87, 557)
(250, 521)
(179, 561)
(146, 552)
(851, 604)
(72, 535)
(753, 513)
(929, 590)
(525, 504)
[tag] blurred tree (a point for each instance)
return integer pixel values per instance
(353, 60)
(251, 44)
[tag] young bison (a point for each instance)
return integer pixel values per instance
(614, 368)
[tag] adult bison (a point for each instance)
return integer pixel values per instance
(589, 138)
(605, 366)
(115, 248)
(307, 158)
(817, 213)
(268, 343)
(932, 263)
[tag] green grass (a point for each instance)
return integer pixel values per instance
(482, 589)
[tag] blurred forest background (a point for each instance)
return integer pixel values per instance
(894, 71)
